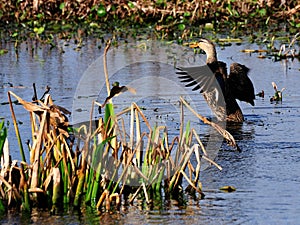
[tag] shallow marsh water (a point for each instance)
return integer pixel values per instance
(265, 173)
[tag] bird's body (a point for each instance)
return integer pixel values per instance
(116, 90)
(219, 89)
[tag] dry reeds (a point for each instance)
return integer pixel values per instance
(78, 165)
(97, 167)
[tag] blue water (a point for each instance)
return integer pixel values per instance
(265, 173)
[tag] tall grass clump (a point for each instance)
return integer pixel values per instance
(102, 167)
(97, 167)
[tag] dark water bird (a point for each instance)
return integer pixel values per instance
(115, 91)
(219, 89)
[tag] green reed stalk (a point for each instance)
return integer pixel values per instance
(16, 128)
(2, 207)
(25, 200)
(26, 204)
(3, 135)
(187, 132)
(82, 173)
(79, 188)
(159, 180)
(109, 116)
(96, 182)
(66, 185)
(64, 168)
(90, 182)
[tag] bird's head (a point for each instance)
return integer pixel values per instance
(207, 46)
(204, 44)
(116, 84)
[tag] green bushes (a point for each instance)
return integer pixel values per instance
(166, 15)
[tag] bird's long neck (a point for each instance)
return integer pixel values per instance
(211, 55)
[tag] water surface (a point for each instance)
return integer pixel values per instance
(265, 173)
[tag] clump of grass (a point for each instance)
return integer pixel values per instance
(98, 167)
(77, 166)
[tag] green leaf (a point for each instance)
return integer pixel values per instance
(39, 16)
(3, 51)
(229, 8)
(160, 2)
(66, 26)
(131, 5)
(109, 115)
(263, 12)
(101, 12)
(3, 135)
(62, 6)
(187, 14)
(39, 30)
(15, 34)
(181, 26)
(94, 25)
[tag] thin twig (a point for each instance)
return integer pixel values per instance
(105, 67)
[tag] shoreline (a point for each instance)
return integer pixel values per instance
(164, 17)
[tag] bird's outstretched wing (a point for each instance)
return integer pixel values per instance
(199, 77)
(239, 83)
(209, 83)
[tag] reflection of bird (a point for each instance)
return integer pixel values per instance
(219, 89)
(117, 90)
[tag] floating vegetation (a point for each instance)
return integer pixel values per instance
(284, 52)
(277, 97)
(228, 188)
(261, 94)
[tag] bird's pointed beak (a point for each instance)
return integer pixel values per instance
(194, 45)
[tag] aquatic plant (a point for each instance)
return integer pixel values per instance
(77, 166)
(286, 51)
(101, 167)
(277, 97)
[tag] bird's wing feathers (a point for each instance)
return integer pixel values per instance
(117, 90)
(202, 77)
(240, 85)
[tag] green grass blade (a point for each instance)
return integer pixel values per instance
(3, 135)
